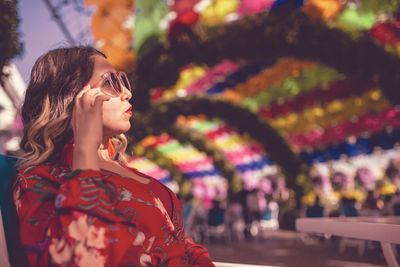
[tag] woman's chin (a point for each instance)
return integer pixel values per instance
(117, 131)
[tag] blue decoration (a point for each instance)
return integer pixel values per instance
(363, 145)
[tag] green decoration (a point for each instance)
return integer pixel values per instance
(353, 19)
(10, 44)
(292, 86)
(379, 6)
(149, 15)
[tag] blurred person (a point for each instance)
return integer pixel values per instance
(216, 214)
(316, 210)
(78, 203)
(395, 204)
(370, 206)
(393, 172)
(236, 222)
(348, 207)
(252, 211)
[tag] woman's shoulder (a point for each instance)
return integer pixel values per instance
(47, 167)
(49, 171)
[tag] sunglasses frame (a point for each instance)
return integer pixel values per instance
(117, 88)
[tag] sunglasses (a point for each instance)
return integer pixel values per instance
(112, 83)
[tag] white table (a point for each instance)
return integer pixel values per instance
(226, 264)
(385, 230)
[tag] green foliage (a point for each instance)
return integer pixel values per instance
(10, 45)
(149, 14)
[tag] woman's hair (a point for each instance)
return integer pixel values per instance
(56, 79)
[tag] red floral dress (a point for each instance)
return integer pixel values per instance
(98, 218)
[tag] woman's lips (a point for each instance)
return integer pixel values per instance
(129, 111)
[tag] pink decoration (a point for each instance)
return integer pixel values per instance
(265, 186)
(254, 6)
(369, 123)
(216, 74)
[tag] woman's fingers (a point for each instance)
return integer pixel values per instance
(100, 98)
(88, 96)
(84, 90)
(78, 98)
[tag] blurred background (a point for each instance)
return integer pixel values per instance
(254, 112)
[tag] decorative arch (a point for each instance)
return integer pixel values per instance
(158, 158)
(268, 37)
(199, 141)
(162, 115)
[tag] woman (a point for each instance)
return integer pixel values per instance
(78, 204)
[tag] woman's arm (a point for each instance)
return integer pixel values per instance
(87, 126)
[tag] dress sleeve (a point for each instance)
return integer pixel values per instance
(197, 254)
(70, 220)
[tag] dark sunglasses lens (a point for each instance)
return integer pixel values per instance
(116, 83)
(108, 87)
(125, 81)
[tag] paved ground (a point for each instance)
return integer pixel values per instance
(288, 248)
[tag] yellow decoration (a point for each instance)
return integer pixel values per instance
(336, 111)
(388, 189)
(216, 12)
(323, 9)
(308, 199)
(355, 194)
(187, 77)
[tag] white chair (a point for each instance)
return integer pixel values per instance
(270, 222)
(227, 264)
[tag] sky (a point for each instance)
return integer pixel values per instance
(38, 32)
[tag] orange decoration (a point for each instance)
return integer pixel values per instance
(111, 36)
(149, 141)
(323, 9)
(274, 76)
(232, 96)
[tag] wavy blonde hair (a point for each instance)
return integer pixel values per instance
(56, 79)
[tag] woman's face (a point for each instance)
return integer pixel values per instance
(117, 110)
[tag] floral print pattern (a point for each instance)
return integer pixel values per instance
(98, 218)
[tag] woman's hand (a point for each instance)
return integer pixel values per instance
(87, 126)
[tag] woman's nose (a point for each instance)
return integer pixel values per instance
(126, 94)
